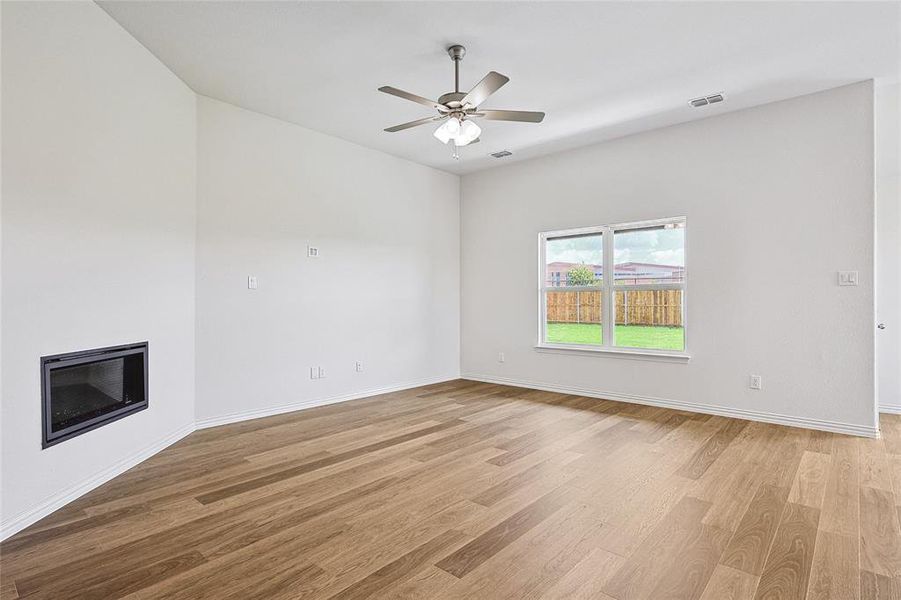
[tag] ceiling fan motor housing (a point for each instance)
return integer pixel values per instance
(452, 99)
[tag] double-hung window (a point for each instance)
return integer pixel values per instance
(614, 287)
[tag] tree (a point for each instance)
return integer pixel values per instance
(580, 275)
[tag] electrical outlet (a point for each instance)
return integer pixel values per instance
(358, 367)
(755, 382)
(251, 282)
(312, 252)
(847, 277)
(321, 373)
(500, 357)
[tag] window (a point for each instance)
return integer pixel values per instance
(640, 307)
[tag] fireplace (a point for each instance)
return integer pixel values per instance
(84, 390)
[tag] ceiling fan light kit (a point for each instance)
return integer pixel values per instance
(457, 109)
(461, 132)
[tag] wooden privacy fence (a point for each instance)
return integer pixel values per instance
(641, 307)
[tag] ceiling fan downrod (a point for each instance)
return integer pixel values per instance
(456, 52)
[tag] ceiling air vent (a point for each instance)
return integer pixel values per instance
(704, 101)
(502, 154)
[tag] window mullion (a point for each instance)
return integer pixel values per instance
(608, 312)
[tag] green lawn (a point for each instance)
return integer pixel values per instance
(629, 336)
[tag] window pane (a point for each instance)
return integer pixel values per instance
(649, 319)
(650, 254)
(574, 260)
(574, 317)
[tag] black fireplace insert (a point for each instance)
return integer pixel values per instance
(83, 390)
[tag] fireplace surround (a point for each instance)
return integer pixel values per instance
(83, 390)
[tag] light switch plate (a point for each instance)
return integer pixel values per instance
(251, 282)
(847, 277)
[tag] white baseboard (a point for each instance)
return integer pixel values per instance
(57, 501)
(258, 413)
(892, 409)
(23, 520)
(737, 413)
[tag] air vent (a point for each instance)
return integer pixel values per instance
(711, 99)
(502, 154)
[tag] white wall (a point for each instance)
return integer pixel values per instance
(778, 198)
(123, 193)
(888, 248)
(98, 221)
(385, 289)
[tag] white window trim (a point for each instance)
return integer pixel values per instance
(608, 290)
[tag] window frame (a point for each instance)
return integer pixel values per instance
(609, 288)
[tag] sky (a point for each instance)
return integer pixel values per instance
(659, 246)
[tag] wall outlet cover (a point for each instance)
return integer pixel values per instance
(847, 278)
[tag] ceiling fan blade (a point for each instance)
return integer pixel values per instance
(408, 96)
(524, 116)
(415, 123)
(491, 83)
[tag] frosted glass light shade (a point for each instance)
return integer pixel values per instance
(442, 134)
(469, 132)
(461, 132)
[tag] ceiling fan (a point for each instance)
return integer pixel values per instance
(457, 109)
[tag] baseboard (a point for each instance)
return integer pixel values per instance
(21, 521)
(312, 403)
(737, 413)
(57, 501)
(892, 409)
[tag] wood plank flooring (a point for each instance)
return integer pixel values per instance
(470, 490)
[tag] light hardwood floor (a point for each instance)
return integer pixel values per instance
(470, 490)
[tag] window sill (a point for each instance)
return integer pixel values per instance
(631, 353)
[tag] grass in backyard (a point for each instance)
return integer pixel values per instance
(627, 336)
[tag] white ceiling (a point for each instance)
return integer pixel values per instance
(599, 70)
